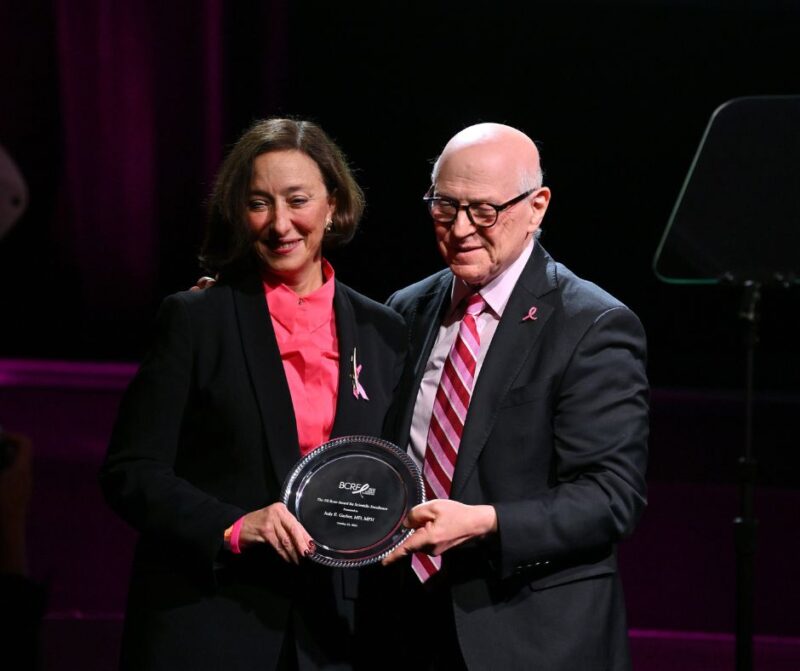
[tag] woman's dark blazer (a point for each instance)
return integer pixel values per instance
(206, 433)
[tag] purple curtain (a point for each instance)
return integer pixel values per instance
(118, 114)
(130, 74)
(106, 226)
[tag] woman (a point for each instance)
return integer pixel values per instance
(244, 378)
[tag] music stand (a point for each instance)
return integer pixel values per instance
(737, 221)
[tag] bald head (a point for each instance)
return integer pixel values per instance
(488, 166)
(498, 143)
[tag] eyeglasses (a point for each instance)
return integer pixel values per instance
(445, 210)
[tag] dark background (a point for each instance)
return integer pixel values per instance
(119, 113)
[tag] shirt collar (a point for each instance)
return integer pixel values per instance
(497, 292)
(317, 307)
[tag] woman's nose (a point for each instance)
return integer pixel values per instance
(281, 221)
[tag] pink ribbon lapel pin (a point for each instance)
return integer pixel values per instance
(358, 389)
(531, 315)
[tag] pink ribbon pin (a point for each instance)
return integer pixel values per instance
(358, 389)
(531, 314)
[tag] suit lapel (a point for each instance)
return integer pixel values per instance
(266, 374)
(424, 325)
(347, 406)
(511, 346)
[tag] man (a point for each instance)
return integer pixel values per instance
(533, 441)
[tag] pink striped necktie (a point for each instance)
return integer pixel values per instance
(447, 420)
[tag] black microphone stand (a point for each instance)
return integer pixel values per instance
(744, 171)
(746, 523)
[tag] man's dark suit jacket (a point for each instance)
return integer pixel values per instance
(556, 440)
(206, 433)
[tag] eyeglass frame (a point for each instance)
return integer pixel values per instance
(429, 200)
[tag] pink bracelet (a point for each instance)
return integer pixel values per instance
(236, 529)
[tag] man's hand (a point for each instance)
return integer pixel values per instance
(204, 283)
(278, 527)
(442, 524)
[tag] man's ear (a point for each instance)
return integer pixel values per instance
(538, 205)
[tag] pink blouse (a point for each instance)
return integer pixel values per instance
(306, 332)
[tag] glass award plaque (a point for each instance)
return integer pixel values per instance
(352, 494)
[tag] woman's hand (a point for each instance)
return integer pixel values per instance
(204, 282)
(278, 527)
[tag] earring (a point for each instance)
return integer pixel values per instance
(329, 225)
